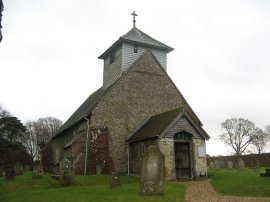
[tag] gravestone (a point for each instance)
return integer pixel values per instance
(98, 169)
(211, 164)
(152, 172)
(115, 180)
(257, 165)
(66, 175)
(36, 174)
(218, 164)
(18, 169)
(230, 164)
(10, 174)
(241, 164)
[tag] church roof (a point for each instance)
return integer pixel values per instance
(84, 109)
(156, 125)
(138, 37)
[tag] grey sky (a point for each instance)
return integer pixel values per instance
(221, 61)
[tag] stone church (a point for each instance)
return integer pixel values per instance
(137, 106)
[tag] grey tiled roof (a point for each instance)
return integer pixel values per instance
(154, 126)
(84, 109)
(139, 37)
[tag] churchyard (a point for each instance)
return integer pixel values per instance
(245, 182)
(240, 182)
(85, 188)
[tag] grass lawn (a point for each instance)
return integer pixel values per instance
(240, 183)
(89, 188)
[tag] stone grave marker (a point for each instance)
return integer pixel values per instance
(66, 175)
(257, 165)
(18, 169)
(9, 173)
(36, 174)
(152, 172)
(218, 164)
(115, 180)
(211, 164)
(230, 164)
(241, 164)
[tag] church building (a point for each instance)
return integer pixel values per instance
(137, 106)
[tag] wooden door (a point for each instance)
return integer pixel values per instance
(182, 159)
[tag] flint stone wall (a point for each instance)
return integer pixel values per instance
(145, 90)
(250, 160)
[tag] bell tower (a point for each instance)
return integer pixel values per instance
(127, 49)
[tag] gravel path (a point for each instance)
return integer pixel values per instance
(203, 191)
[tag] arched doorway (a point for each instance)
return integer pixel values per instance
(182, 154)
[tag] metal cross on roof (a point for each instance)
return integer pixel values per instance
(134, 20)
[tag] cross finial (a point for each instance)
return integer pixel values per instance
(134, 20)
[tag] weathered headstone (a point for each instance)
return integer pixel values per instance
(18, 169)
(66, 175)
(152, 172)
(10, 174)
(211, 164)
(241, 164)
(115, 180)
(230, 164)
(98, 169)
(218, 164)
(257, 165)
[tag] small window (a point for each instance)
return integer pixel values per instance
(135, 48)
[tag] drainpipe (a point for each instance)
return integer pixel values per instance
(128, 156)
(86, 145)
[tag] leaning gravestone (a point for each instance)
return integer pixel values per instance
(230, 165)
(241, 164)
(66, 175)
(152, 172)
(115, 180)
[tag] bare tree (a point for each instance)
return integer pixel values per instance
(267, 130)
(29, 140)
(3, 112)
(239, 133)
(260, 140)
(45, 128)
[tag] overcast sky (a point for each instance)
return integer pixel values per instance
(221, 61)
